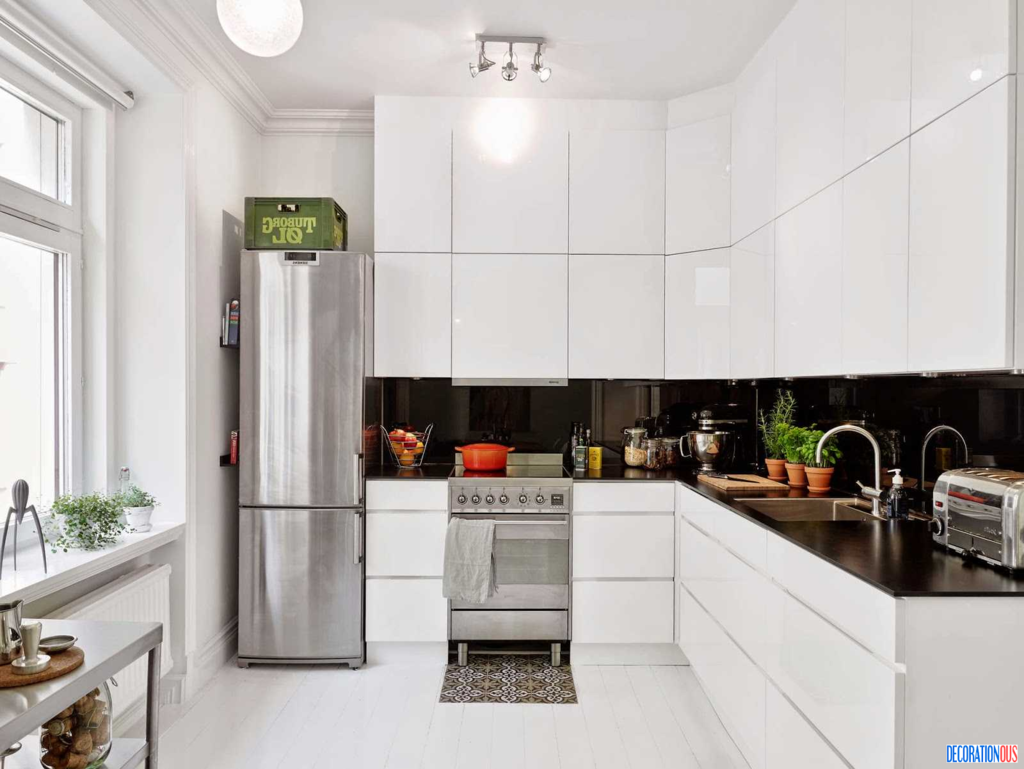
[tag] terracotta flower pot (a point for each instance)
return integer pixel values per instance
(776, 470)
(819, 479)
(797, 476)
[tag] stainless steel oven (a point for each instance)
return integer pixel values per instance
(532, 556)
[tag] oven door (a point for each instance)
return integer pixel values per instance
(531, 560)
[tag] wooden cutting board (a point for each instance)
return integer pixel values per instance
(760, 484)
(60, 664)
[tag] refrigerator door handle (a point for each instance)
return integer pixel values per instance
(357, 478)
(357, 539)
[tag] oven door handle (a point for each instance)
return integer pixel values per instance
(517, 522)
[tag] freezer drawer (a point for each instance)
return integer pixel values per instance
(300, 586)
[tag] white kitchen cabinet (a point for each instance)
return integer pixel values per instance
(697, 189)
(791, 742)
(616, 317)
(697, 298)
(732, 682)
(616, 192)
(877, 73)
(412, 183)
(412, 315)
(510, 316)
(961, 247)
(407, 494)
(609, 612)
(753, 146)
(809, 100)
(752, 305)
(808, 287)
(616, 546)
(959, 49)
(405, 544)
(510, 186)
(405, 610)
(876, 220)
(624, 497)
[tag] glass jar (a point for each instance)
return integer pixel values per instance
(79, 737)
(633, 453)
(671, 447)
(654, 453)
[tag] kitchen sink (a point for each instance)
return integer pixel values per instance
(805, 509)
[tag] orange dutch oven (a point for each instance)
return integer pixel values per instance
(485, 456)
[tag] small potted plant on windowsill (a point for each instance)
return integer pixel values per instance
(772, 425)
(819, 474)
(792, 443)
(138, 507)
(89, 522)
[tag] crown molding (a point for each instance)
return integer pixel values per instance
(319, 122)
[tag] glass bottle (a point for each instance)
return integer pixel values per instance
(80, 735)
(633, 453)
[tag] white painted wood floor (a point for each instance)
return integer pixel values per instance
(388, 716)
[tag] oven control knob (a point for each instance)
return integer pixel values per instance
(476, 499)
(489, 499)
(503, 499)
(540, 499)
(523, 499)
(936, 527)
(462, 499)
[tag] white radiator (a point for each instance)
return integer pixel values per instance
(143, 595)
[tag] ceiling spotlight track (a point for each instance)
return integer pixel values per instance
(510, 61)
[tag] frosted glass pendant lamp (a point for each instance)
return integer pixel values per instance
(261, 27)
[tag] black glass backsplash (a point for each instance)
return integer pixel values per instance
(988, 410)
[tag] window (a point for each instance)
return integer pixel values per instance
(31, 147)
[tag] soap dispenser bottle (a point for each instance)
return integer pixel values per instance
(897, 502)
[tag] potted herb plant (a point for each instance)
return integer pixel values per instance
(138, 507)
(89, 522)
(772, 426)
(819, 474)
(792, 442)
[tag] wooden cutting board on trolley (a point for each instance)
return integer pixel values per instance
(758, 483)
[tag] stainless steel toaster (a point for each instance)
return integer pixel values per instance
(979, 512)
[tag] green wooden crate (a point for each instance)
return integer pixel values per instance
(306, 224)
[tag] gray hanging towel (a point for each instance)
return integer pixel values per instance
(469, 560)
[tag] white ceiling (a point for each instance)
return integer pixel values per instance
(351, 50)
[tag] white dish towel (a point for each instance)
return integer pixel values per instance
(469, 560)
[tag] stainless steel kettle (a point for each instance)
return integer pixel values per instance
(10, 631)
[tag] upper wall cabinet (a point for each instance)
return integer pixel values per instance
(808, 286)
(604, 289)
(617, 192)
(509, 316)
(697, 297)
(959, 49)
(875, 233)
(961, 247)
(511, 187)
(412, 191)
(809, 100)
(412, 315)
(752, 309)
(697, 190)
(753, 146)
(877, 88)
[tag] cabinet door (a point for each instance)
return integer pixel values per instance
(753, 146)
(510, 316)
(809, 100)
(875, 255)
(697, 187)
(808, 286)
(623, 546)
(959, 49)
(510, 185)
(752, 309)
(622, 612)
(961, 254)
(791, 742)
(408, 610)
(403, 544)
(877, 89)
(617, 192)
(412, 184)
(616, 317)
(697, 291)
(412, 315)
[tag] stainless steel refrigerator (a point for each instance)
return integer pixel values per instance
(308, 407)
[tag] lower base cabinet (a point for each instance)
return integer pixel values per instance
(733, 683)
(405, 610)
(635, 612)
(790, 741)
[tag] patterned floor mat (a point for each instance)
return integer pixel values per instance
(509, 678)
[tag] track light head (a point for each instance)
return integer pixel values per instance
(482, 63)
(510, 68)
(543, 73)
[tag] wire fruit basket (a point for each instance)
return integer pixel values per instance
(407, 447)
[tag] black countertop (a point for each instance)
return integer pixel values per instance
(897, 557)
(426, 472)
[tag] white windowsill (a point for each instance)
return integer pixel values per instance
(29, 583)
